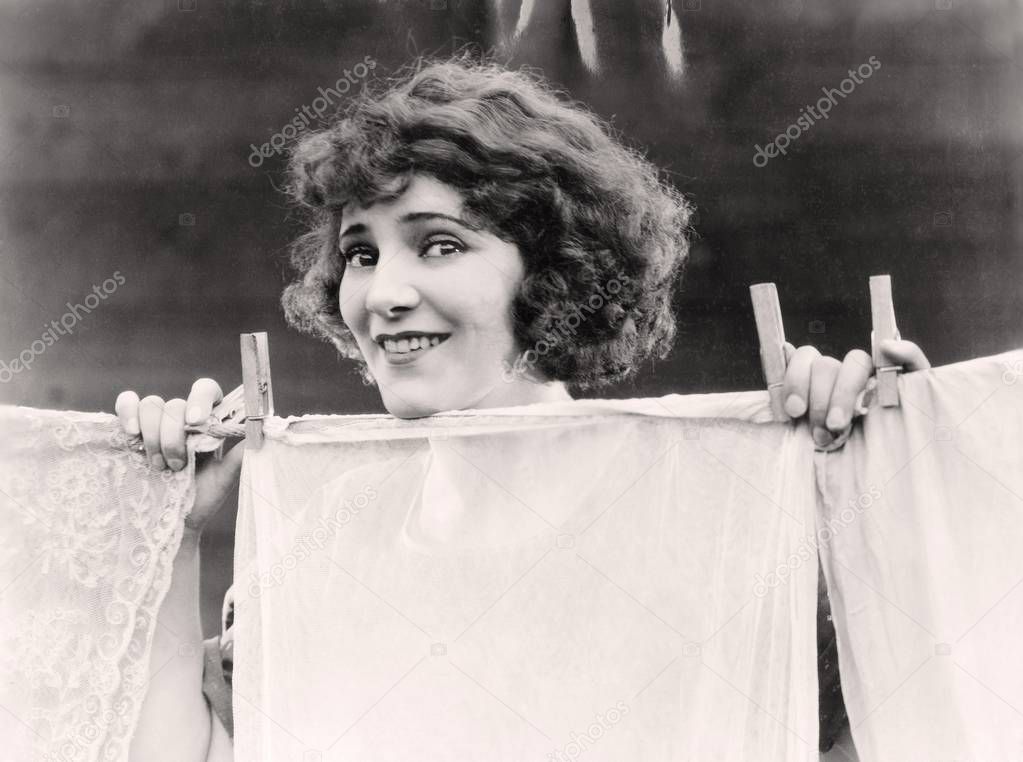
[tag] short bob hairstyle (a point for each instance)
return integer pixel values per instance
(603, 238)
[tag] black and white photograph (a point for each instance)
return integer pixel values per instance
(511, 380)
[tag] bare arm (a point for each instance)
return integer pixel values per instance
(174, 722)
(221, 747)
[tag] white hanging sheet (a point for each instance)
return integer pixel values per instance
(548, 582)
(921, 525)
(616, 579)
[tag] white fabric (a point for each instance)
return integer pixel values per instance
(615, 579)
(549, 582)
(88, 533)
(925, 568)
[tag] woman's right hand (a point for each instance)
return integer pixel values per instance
(162, 426)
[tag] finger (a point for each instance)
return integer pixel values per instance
(823, 374)
(790, 350)
(172, 433)
(204, 395)
(796, 389)
(904, 353)
(150, 413)
(856, 370)
(127, 409)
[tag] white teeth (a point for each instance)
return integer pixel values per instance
(414, 344)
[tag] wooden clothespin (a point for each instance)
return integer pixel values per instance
(259, 397)
(224, 422)
(882, 313)
(771, 330)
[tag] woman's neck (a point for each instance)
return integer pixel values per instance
(523, 392)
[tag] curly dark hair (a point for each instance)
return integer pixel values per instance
(534, 168)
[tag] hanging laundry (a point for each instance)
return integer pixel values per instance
(549, 582)
(921, 528)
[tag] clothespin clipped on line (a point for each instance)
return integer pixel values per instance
(259, 395)
(771, 330)
(882, 316)
(241, 412)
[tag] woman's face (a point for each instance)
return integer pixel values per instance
(428, 299)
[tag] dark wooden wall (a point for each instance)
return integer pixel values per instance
(125, 131)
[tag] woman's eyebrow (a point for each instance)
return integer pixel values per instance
(359, 227)
(414, 216)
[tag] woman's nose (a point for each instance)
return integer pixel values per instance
(391, 288)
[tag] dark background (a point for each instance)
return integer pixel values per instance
(126, 127)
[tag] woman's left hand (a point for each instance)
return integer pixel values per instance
(826, 390)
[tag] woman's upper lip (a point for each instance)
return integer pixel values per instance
(380, 337)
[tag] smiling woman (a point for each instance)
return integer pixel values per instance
(464, 220)
(428, 299)
(472, 200)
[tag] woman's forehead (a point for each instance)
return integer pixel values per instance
(423, 194)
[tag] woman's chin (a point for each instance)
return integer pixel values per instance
(410, 408)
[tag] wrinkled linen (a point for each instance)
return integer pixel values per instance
(88, 534)
(616, 579)
(921, 523)
(548, 582)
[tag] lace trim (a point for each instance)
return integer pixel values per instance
(88, 535)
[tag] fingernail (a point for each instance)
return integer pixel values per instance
(133, 426)
(193, 414)
(158, 462)
(822, 437)
(795, 406)
(837, 419)
(176, 464)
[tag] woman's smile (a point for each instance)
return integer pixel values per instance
(408, 346)
(418, 275)
(429, 297)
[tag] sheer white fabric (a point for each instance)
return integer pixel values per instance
(546, 582)
(88, 533)
(616, 579)
(922, 531)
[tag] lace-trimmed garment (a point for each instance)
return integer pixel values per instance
(540, 582)
(88, 534)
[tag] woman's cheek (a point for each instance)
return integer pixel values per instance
(350, 308)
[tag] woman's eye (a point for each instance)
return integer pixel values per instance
(359, 256)
(442, 248)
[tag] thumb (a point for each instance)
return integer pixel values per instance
(221, 475)
(231, 461)
(790, 352)
(904, 353)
